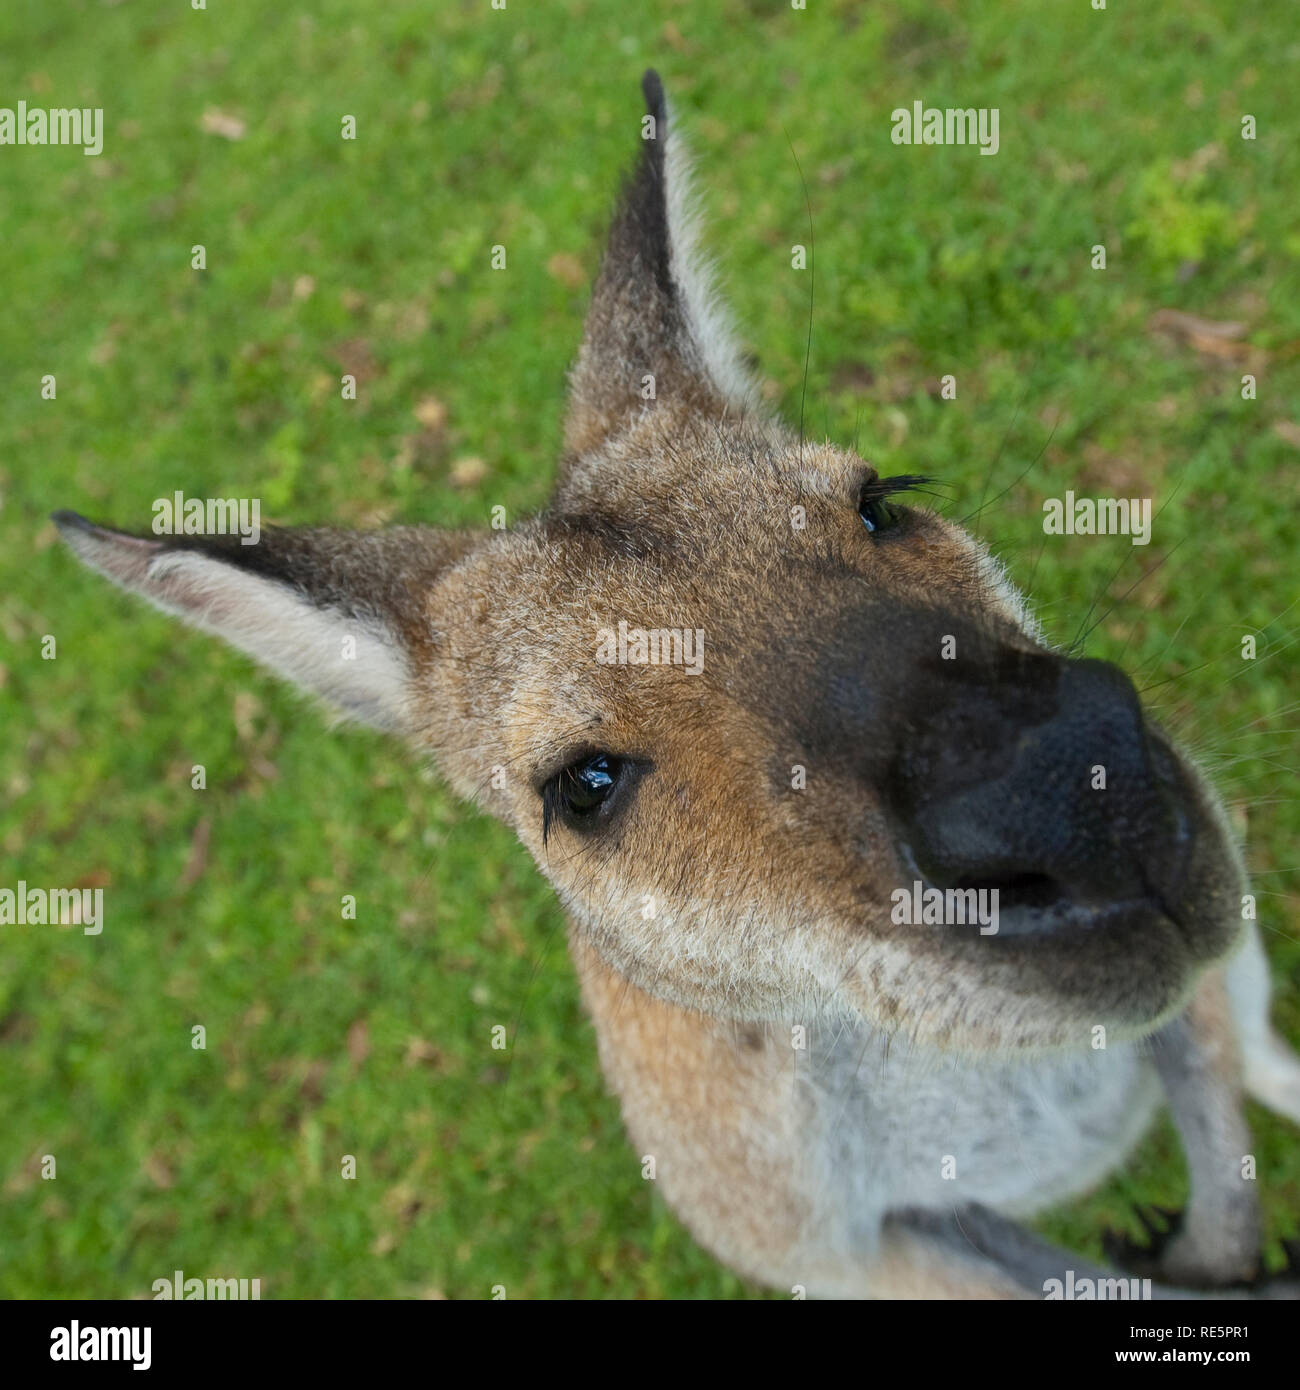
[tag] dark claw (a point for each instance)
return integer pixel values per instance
(1142, 1261)
(1284, 1282)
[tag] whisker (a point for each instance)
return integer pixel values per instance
(812, 288)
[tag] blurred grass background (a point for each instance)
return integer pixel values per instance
(477, 127)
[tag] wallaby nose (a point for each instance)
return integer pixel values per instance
(1041, 781)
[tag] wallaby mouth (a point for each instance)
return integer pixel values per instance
(1030, 904)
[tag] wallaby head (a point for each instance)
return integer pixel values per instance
(732, 693)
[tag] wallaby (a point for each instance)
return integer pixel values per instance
(734, 695)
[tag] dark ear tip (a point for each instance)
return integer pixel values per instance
(653, 89)
(71, 521)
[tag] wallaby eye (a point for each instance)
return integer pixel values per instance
(577, 794)
(876, 514)
(585, 786)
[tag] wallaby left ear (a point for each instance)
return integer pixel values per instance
(656, 336)
(337, 612)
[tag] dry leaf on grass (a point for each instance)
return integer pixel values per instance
(214, 122)
(431, 413)
(1213, 337)
(359, 1041)
(198, 856)
(468, 472)
(567, 269)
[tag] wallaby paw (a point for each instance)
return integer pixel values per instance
(1176, 1257)
(1191, 1264)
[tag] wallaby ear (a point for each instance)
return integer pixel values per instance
(656, 335)
(339, 613)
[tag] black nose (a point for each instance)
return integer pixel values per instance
(1037, 777)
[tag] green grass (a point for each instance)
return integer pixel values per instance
(477, 127)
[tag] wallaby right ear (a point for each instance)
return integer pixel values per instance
(339, 613)
(656, 336)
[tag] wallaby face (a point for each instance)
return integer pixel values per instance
(705, 868)
(849, 699)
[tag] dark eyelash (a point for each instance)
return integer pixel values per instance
(550, 788)
(877, 489)
(550, 807)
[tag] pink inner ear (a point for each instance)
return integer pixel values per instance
(120, 557)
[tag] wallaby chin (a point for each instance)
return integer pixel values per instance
(895, 922)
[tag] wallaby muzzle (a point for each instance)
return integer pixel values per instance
(1038, 777)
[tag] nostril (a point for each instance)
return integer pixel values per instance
(1015, 887)
(1018, 890)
